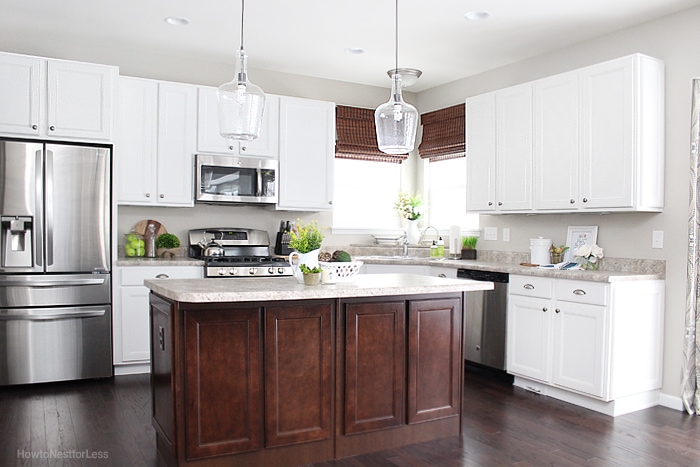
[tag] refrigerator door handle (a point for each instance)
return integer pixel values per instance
(39, 199)
(48, 203)
(44, 314)
(53, 282)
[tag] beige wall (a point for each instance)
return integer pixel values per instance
(671, 39)
(621, 235)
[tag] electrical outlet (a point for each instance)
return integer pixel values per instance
(506, 234)
(657, 239)
(490, 233)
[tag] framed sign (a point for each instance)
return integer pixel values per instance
(578, 235)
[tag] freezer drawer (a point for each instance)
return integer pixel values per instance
(55, 344)
(54, 290)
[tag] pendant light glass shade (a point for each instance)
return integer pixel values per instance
(396, 122)
(241, 103)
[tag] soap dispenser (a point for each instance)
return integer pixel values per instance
(440, 248)
(434, 250)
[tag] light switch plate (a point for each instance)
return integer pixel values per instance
(657, 239)
(490, 233)
(506, 234)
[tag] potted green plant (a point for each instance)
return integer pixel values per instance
(305, 240)
(167, 245)
(557, 253)
(312, 276)
(469, 247)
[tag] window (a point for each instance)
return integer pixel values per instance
(365, 192)
(447, 204)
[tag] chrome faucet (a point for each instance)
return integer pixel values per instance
(405, 243)
(422, 237)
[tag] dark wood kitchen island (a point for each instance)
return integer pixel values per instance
(271, 372)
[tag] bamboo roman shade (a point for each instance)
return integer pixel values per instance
(356, 136)
(443, 134)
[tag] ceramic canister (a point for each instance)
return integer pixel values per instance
(539, 250)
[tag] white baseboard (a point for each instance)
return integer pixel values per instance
(132, 369)
(672, 402)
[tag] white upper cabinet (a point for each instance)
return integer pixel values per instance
(155, 143)
(307, 153)
(499, 150)
(514, 131)
(556, 169)
(210, 141)
(56, 98)
(597, 139)
(481, 152)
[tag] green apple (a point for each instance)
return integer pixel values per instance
(130, 251)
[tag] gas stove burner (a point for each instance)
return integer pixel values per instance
(245, 253)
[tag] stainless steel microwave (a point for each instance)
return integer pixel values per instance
(231, 180)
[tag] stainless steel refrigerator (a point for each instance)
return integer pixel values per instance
(55, 299)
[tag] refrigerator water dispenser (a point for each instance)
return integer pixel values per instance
(16, 241)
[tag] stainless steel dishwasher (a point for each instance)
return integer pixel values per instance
(485, 319)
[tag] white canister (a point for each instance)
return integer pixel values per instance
(539, 250)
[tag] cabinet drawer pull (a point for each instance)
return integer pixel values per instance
(442, 275)
(528, 286)
(557, 310)
(579, 292)
(162, 276)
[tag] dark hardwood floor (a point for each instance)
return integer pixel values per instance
(503, 425)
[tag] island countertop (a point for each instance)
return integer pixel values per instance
(287, 288)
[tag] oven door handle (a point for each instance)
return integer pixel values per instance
(45, 314)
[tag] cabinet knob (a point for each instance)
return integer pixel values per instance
(34, 127)
(52, 128)
(572, 201)
(243, 148)
(148, 195)
(231, 148)
(500, 203)
(585, 200)
(478, 348)
(544, 309)
(330, 202)
(490, 203)
(162, 196)
(557, 310)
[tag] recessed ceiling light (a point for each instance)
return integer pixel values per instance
(177, 21)
(354, 51)
(476, 15)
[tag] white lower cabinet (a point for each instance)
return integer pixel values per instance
(130, 313)
(598, 345)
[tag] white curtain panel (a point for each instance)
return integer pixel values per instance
(691, 352)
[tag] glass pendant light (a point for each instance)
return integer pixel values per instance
(396, 120)
(241, 103)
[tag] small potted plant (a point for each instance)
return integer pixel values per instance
(557, 253)
(312, 276)
(469, 247)
(167, 245)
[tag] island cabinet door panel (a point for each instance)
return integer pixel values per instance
(375, 339)
(434, 351)
(298, 373)
(223, 382)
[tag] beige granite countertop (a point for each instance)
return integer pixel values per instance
(514, 268)
(287, 288)
(141, 261)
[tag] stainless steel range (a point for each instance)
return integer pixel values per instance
(235, 252)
